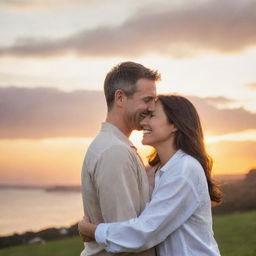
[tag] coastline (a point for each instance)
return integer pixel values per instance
(42, 236)
(53, 188)
(234, 201)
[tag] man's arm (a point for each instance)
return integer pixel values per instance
(116, 182)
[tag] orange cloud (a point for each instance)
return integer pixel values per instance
(221, 121)
(35, 4)
(47, 112)
(251, 85)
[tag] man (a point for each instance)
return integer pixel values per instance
(114, 181)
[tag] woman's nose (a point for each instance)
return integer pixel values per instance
(144, 121)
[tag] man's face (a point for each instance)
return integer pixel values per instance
(142, 101)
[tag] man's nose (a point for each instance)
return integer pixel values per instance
(151, 105)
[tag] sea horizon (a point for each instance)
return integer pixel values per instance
(25, 209)
(220, 177)
(30, 207)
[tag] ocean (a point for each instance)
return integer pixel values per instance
(34, 209)
(24, 210)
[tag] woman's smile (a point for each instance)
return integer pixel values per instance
(146, 131)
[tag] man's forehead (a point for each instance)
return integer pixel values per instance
(146, 94)
(143, 83)
(150, 89)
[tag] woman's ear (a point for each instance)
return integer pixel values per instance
(174, 129)
(120, 97)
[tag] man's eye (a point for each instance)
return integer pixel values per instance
(146, 100)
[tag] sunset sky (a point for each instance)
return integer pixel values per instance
(54, 55)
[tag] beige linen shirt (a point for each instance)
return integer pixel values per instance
(114, 183)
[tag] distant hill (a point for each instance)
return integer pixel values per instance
(239, 195)
(60, 188)
(228, 178)
(20, 186)
(64, 189)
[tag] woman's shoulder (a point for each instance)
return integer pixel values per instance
(191, 162)
(191, 167)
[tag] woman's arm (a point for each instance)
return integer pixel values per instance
(86, 230)
(173, 202)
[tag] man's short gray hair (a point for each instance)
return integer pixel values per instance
(124, 76)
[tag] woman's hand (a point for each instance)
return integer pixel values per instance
(86, 230)
(82, 236)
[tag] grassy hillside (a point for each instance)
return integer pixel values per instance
(235, 233)
(64, 247)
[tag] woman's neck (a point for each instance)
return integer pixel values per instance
(165, 152)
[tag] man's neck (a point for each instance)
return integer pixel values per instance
(117, 121)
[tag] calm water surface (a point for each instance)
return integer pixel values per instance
(34, 209)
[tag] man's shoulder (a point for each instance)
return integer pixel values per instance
(105, 144)
(118, 151)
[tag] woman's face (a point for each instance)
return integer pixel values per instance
(156, 128)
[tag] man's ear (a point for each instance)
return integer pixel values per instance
(120, 98)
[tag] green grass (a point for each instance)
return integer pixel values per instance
(64, 247)
(235, 234)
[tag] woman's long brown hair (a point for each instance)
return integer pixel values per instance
(189, 137)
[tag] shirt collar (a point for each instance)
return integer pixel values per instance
(178, 154)
(108, 127)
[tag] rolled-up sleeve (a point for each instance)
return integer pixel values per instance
(101, 233)
(173, 202)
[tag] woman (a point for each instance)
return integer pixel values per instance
(178, 218)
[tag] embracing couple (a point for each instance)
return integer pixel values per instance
(122, 216)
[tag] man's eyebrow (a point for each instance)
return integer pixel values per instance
(148, 98)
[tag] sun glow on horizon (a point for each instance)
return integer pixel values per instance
(59, 160)
(219, 147)
(248, 135)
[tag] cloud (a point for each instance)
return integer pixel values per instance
(39, 4)
(251, 85)
(219, 100)
(48, 112)
(220, 121)
(224, 27)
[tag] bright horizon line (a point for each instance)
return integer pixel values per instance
(246, 135)
(46, 185)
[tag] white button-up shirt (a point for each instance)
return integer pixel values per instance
(178, 218)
